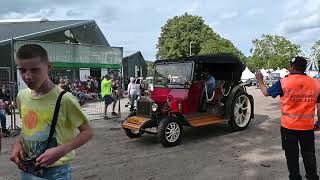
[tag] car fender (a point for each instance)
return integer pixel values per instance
(180, 117)
(135, 123)
(231, 96)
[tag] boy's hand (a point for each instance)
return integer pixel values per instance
(51, 156)
(17, 155)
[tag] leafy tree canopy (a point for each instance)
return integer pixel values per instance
(150, 68)
(182, 32)
(272, 51)
(216, 46)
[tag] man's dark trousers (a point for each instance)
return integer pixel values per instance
(290, 144)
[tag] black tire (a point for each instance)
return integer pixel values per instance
(241, 109)
(163, 128)
(130, 133)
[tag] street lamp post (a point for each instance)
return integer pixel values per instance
(190, 48)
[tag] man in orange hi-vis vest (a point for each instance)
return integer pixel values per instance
(299, 95)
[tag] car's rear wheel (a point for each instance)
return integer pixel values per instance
(240, 111)
(132, 133)
(170, 132)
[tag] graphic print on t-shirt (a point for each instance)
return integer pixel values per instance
(36, 132)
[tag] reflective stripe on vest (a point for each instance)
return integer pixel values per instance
(298, 102)
(298, 116)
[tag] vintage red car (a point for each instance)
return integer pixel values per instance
(180, 98)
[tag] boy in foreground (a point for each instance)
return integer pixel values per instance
(36, 105)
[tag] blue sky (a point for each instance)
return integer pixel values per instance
(136, 24)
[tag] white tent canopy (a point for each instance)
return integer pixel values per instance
(264, 72)
(247, 74)
(282, 72)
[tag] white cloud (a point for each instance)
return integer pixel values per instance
(301, 22)
(228, 16)
(253, 12)
(137, 26)
(306, 37)
(300, 16)
(291, 4)
(42, 13)
(193, 8)
(214, 24)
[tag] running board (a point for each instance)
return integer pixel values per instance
(205, 120)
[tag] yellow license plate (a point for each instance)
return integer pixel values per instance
(134, 120)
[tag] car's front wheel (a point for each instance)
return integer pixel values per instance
(170, 132)
(132, 133)
(240, 111)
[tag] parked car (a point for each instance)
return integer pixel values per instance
(269, 81)
(252, 81)
(184, 101)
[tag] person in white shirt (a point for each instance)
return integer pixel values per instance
(133, 91)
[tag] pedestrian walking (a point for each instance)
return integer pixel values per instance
(116, 96)
(133, 93)
(106, 92)
(3, 120)
(299, 95)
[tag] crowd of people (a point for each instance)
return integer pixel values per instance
(91, 90)
(84, 90)
(5, 106)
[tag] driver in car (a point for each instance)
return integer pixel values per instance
(211, 84)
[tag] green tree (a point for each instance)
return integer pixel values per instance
(274, 51)
(179, 33)
(315, 50)
(220, 45)
(150, 66)
(254, 63)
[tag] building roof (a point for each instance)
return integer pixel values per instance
(29, 29)
(128, 54)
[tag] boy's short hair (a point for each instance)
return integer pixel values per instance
(29, 51)
(299, 63)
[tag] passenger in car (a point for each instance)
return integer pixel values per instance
(211, 84)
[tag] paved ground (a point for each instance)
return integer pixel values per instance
(212, 152)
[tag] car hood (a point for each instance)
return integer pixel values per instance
(161, 95)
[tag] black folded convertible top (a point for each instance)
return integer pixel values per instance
(221, 66)
(208, 59)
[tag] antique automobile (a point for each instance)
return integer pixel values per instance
(180, 98)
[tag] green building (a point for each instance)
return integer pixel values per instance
(76, 48)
